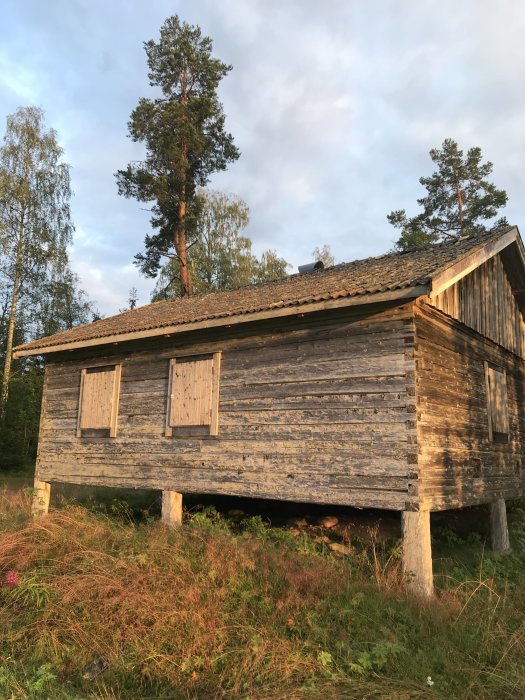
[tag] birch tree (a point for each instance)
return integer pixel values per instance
(220, 257)
(35, 222)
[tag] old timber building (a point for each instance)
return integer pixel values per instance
(394, 382)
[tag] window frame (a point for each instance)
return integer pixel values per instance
(206, 430)
(111, 430)
(494, 435)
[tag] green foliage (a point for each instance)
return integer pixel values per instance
(269, 267)
(35, 684)
(34, 193)
(219, 257)
(19, 430)
(377, 658)
(133, 297)
(217, 610)
(39, 294)
(183, 131)
(209, 520)
(460, 200)
(30, 593)
(35, 224)
(62, 304)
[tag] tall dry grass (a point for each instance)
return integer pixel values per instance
(204, 612)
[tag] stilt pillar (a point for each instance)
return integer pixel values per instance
(172, 508)
(499, 532)
(417, 552)
(41, 496)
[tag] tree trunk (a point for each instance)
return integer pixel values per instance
(460, 205)
(180, 247)
(4, 392)
(180, 232)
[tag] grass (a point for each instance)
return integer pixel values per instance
(104, 607)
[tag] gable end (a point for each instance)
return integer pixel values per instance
(486, 301)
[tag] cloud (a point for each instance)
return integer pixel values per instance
(334, 108)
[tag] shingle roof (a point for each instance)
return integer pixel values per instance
(393, 271)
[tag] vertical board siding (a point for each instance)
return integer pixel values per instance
(191, 393)
(318, 410)
(97, 399)
(459, 463)
(497, 401)
(484, 301)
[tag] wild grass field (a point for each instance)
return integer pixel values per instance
(95, 603)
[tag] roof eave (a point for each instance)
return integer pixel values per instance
(295, 310)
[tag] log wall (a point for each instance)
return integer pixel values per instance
(458, 463)
(317, 409)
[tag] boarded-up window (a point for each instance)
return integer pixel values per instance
(98, 402)
(193, 395)
(497, 402)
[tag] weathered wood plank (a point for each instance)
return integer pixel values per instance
(298, 411)
(459, 463)
(306, 490)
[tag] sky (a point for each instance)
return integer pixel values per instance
(334, 107)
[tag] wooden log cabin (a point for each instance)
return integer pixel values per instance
(395, 382)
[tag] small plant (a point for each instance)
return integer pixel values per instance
(377, 658)
(208, 519)
(29, 592)
(325, 658)
(32, 684)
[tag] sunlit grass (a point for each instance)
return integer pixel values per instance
(211, 612)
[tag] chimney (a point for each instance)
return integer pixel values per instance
(310, 267)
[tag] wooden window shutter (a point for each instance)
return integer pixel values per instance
(497, 401)
(98, 401)
(193, 394)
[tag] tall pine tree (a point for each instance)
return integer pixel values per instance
(183, 131)
(460, 200)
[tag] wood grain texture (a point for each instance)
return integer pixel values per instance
(497, 401)
(41, 498)
(99, 399)
(458, 462)
(190, 392)
(171, 513)
(484, 300)
(302, 403)
(499, 531)
(417, 552)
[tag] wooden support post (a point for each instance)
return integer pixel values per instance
(417, 552)
(499, 532)
(42, 494)
(172, 508)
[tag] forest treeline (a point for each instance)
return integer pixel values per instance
(39, 292)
